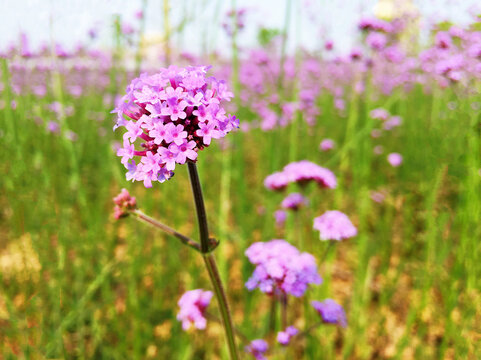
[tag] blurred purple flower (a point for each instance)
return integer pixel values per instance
(53, 127)
(330, 311)
(257, 348)
(280, 216)
(305, 171)
(395, 159)
(284, 337)
(377, 196)
(379, 113)
(334, 225)
(327, 144)
(294, 201)
(192, 308)
(281, 268)
(394, 121)
(376, 41)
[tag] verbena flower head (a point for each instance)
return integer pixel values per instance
(330, 311)
(169, 117)
(375, 24)
(334, 225)
(280, 216)
(281, 268)
(377, 196)
(294, 201)
(376, 41)
(379, 113)
(284, 337)
(305, 171)
(257, 348)
(327, 144)
(301, 172)
(276, 181)
(394, 121)
(395, 159)
(192, 308)
(123, 203)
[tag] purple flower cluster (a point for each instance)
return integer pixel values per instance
(123, 203)
(301, 172)
(257, 348)
(330, 311)
(377, 41)
(375, 24)
(379, 113)
(284, 337)
(327, 144)
(174, 113)
(280, 267)
(334, 225)
(192, 308)
(280, 216)
(392, 122)
(395, 159)
(294, 201)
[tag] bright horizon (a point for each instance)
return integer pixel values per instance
(68, 22)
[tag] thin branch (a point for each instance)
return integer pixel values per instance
(151, 221)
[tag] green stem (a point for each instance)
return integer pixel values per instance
(209, 260)
(283, 300)
(272, 315)
(329, 246)
(307, 331)
(200, 207)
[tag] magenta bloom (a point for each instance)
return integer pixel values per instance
(192, 308)
(284, 337)
(305, 171)
(123, 203)
(280, 267)
(257, 348)
(380, 114)
(376, 41)
(334, 225)
(53, 127)
(377, 196)
(327, 144)
(330, 311)
(375, 24)
(169, 118)
(280, 216)
(394, 121)
(276, 181)
(294, 201)
(301, 172)
(395, 159)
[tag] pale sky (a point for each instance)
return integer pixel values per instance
(68, 21)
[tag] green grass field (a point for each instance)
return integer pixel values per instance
(77, 284)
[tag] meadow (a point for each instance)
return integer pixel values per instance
(76, 283)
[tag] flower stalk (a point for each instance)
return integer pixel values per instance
(155, 223)
(209, 260)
